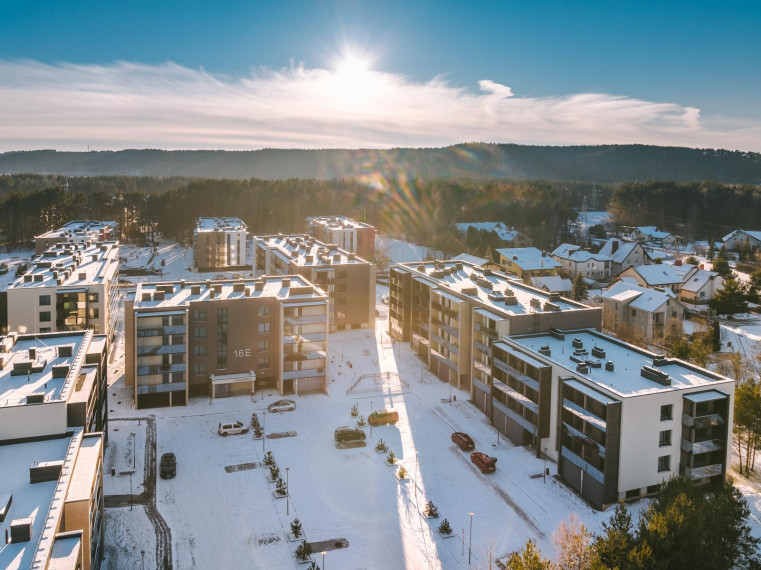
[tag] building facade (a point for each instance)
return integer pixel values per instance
(349, 235)
(220, 244)
(348, 279)
(624, 254)
(576, 261)
(78, 232)
(224, 338)
(527, 262)
(69, 287)
(632, 311)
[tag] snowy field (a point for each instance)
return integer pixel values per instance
(12, 259)
(399, 251)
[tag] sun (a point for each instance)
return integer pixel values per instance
(353, 79)
(352, 66)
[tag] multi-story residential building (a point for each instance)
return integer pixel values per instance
(220, 244)
(52, 382)
(348, 279)
(52, 502)
(574, 261)
(78, 232)
(451, 312)
(222, 338)
(632, 311)
(527, 262)
(624, 254)
(69, 287)
(349, 235)
(619, 420)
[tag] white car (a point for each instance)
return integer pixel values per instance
(282, 406)
(228, 427)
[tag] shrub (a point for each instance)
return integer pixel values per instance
(402, 472)
(391, 459)
(381, 446)
(274, 472)
(269, 460)
(445, 528)
(361, 421)
(280, 488)
(296, 528)
(431, 510)
(304, 550)
(354, 411)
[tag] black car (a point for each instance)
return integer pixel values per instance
(345, 434)
(168, 466)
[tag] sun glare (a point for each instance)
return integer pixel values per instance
(353, 78)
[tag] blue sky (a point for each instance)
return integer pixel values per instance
(692, 68)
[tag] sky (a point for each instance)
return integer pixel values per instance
(353, 73)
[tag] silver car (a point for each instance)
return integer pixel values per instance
(282, 406)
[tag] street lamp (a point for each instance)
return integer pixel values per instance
(470, 539)
(368, 419)
(323, 560)
(287, 493)
(544, 475)
(142, 559)
(264, 427)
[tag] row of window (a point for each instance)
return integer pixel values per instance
(262, 363)
(200, 332)
(199, 315)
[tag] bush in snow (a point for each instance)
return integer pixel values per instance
(391, 459)
(361, 421)
(269, 460)
(304, 550)
(402, 472)
(431, 510)
(274, 472)
(280, 487)
(354, 411)
(296, 528)
(445, 528)
(381, 446)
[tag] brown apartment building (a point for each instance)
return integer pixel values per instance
(348, 279)
(350, 235)
(220, 244)
(223, 338)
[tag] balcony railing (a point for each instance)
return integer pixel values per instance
(698, 422)
(702, 472)
(161, 349)
(702, 446)
(160, 369)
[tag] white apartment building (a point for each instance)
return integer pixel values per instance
(78, 232)
(350, 235)
(220, 244)
(69, 287)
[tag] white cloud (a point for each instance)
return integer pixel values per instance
(128, 105)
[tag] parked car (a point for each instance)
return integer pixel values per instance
(233, 427)
(485, 463)
(282, 406)
(345, 434)
(463, 440)
(168, 466)
(380, 417)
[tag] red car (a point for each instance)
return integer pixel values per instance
(485, 463)
(463, 440)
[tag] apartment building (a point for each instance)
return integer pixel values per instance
(619, 420)
(348, 279)
(349, 235)
(69, 287)
(51, 502)
(223, 338)
(451, 312)
(78, 232)
(220, 244)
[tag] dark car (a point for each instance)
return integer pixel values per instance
(168, 466)
(485, 463)
(345, 434)
(463, 440)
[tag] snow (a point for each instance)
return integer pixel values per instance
(12, 259)
(399, 251)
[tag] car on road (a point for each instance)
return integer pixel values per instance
(168, 466)
(380, 417)
(231, 427)
(282, 406)
(345, 434)
(463, 440)
(485, 463)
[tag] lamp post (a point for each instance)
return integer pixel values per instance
(264, 427)
(323, 560)
(544, 474)
(287, 493)
(142, 559)
(470, 539)
(368, 419)
(130, 491)
(450, 393)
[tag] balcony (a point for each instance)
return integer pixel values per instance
(307, 320)
(161, 331)
(702, 472)
(161, 349)
(702, 446)
(160, 369)
(519, 376)
(491, 333)
(311, 373)
(480, 347)
(698, 422)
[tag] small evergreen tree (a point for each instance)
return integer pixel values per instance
(381, 446)
(361, 421)
(445, 527)
(280, 488)
(528, 558)
(657, 261)
(268, 460)
(391, 459)
(692, 260)
(431, 510)
(354, 411)
(296, 528)
(402, 472)
(711, 250)
(580, 288)
(304, 550)
(721, 266)
(274, 472)
(729, 300)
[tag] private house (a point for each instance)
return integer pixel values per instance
(220, 244)
(553, 284)
(77, 232)
(652, 234)
(349, 235)
(698, 285)
(509, 236)
(633, 311)
(576, 261)
(656, 275)
(619, 420)
(736, 239)
(624, 254)
(527, 262)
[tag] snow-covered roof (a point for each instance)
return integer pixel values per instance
(622, 249)
(755, 235)
(503, 232)
(304, 250)
(471, 259)
(220, 225)
(528, 258)
(657, 274)
(81, 229)
(337, 223)
(653, 232)
(694, 281)
(573, 252)
(628, 360)
(553, 284)
(641, 298)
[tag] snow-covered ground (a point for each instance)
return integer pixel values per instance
(12, 259)
(399, 251)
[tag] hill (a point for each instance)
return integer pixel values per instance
(598, 164)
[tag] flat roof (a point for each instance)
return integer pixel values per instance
(181, 294)
(42, 381)
(306, 251)
(628, 360)
(72, 264)
(37, 501)
(338, 223)
(488, 288)
(220, 225)
(78, 229)
(86, 468)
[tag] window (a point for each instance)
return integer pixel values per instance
(263, 362)
(667, 412)
(199, 333)
(702, 294)
(664, 438)
(92, 297)
(199, 350)
(44, 329)
(44, 300)
(264, 311)
(178, 320)
(634, 312)
(664, 463)
(44, 316)
(199, 368)
(199, 315)
(263, 345)
(264, 328)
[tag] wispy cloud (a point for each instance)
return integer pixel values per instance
(128, 105)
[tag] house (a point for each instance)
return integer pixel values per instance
(652, 234)
(624, 254)
(574, 261)
(527, 262)
(734, 240)
(509, 236)
(618, 420)
(553, 284)
(699, 285)
(350, 235)
(650, 314)
(656, 275)
(478, 261)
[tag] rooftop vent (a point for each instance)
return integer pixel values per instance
(195, 289)
(182, 284)
(535, 303)
(159, 295)
(660, 360)
(469, 291)
(35, 398)
(286, 282)
(598, 352)
(259, 286)
(44, 471)
(33, 352)
(145, 297)
(582, 368)
(65, 350)
(545, 350)
(656, 375)
(208, 283)
(239, 287)
(39, 277)
(60, 370)
(5, 504)
(554, 297)
(577, 343)
(609, 366)
(21, 530)
(551, 307)
(458, 266)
